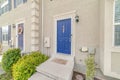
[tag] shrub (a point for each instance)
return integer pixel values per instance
(90, 65)
(10, 57)
(26, 66)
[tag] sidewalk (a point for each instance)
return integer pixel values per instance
(1, 70)
(0, 58)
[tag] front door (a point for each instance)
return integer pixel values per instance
(21, 36)
(64, 36)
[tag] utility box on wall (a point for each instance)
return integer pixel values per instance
(47, 42)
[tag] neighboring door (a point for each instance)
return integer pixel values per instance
(20, 33)
(64, 36)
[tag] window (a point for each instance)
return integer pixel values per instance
(5, 6)
(117, 23)
(18, 2)
(5, 35)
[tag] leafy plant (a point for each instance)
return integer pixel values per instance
(90, 67)
(26, 66)
(10, 57)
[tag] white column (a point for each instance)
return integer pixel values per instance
(35, 23)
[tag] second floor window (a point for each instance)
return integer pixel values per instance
(18, 2)
(5, 6)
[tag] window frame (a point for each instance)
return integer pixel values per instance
(4, 3)
(5, 34)
(17, 5)
(114, 24)
(5, 6)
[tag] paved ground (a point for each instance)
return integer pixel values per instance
(0, 58)
(79, 76)
(1, 70)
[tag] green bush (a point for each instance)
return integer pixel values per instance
(90, 65)
(26, 66)
(10, 57)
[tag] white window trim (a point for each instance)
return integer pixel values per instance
(4, 4)
(20, 4)
(5, 43)
(60, 17)
(113, 49)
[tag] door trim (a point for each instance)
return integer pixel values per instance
(23, 34)
(60, 17)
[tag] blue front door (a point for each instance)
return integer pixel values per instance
(20, 36)
(64, 36)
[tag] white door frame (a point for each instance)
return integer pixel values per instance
(61, 17)
(23, 34)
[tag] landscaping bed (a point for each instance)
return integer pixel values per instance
(19, 67)
(76, 76)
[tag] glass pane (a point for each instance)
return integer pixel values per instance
(117, 11)
(6, 37)
(3, 37)
(18, 2)
(117, 35)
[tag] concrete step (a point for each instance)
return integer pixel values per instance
(39, 76)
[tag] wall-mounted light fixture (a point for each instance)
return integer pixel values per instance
(77, 18)
(13, 25)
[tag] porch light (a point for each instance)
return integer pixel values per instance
(76, 18)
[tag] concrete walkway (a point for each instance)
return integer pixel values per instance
(1, 70)
(0, 58)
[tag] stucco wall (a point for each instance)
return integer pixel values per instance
(102, 23)
(16, 15)
(86, 31)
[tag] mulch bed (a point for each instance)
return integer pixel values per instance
(80, 76)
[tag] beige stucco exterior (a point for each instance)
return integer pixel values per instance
(27, 13)
(86, 31)
(21, 13)
(94, 29)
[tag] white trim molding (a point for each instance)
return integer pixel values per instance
(71, 15)
(4, 4)
(109, 47)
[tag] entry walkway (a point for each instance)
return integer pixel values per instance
(1, 70)
(58, 67)
(0, 58)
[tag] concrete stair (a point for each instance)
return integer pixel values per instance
(50, 70)
(39, 76)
